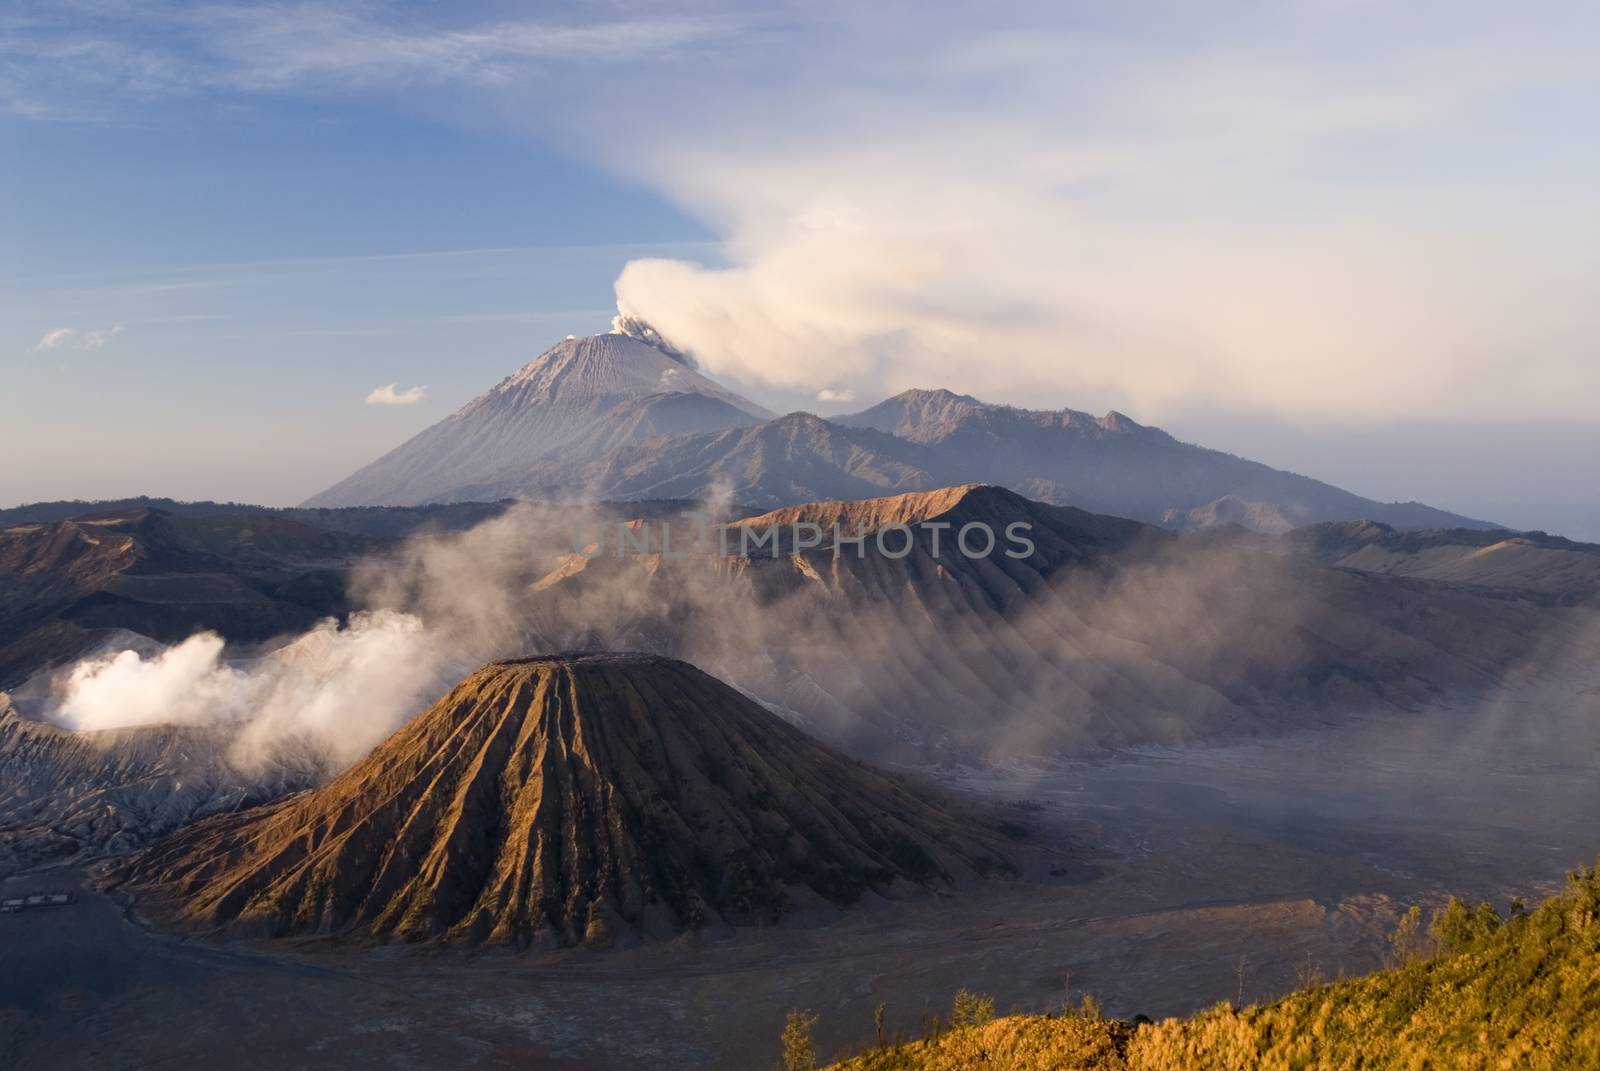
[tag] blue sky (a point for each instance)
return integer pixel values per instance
(267, 266)
(266, 262)
(1353, 239)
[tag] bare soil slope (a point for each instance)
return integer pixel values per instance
(568, 799)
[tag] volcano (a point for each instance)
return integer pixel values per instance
(571, 404)
(564, 800)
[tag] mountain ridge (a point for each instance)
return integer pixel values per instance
(251, 576)
(624, 415)
(1113, 464)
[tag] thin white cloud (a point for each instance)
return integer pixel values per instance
(836, 394)
(148, 284)
(56, 338)
(389, 395)
(74, 338)
(95, 338)
(91, 62)
(275, 47)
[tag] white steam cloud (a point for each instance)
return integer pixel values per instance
(1181, 640)
(1284, 219)
(434, 610)
(337, 689)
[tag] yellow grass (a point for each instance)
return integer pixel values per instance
(1477, 995)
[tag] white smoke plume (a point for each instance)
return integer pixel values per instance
(337, 689)
(184, 684)
(435, 609)
(1082, 215)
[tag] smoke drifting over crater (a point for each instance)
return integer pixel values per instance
(1107, 633)
(432, 611)
(339, 689)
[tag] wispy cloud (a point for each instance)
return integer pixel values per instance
(94, 338)
(74, 338)
(91, 60)
(277, 47)
(151, 283)
(55, 338)
(389, 395)
(836, 394)
(1317, 210)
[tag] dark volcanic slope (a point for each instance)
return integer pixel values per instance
(79, 795)
(566, 799)
(63, 584)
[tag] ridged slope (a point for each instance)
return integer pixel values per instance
(970, 503)
(567, 799)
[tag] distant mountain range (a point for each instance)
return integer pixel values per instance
(1113, 464)
(622, 416)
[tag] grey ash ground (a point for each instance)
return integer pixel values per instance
(1292, 853)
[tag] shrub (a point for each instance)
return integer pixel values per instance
(799, 1052)
(970, 1009)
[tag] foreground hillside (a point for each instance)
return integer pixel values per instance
(1474, 992)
